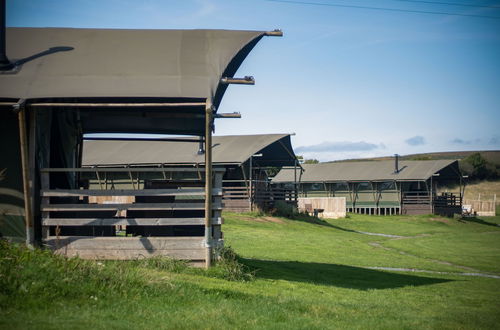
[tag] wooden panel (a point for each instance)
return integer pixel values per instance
(129, 192)
(131, 254)
(127, 221)
(333, 207)
(236, 205)
(134, 206)
(481, 207)
(125, 243)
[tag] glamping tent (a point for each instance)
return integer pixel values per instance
(382, 187)
(248, 161)
(61, 83)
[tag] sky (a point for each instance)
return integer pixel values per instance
(348, 81)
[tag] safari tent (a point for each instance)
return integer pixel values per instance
(248, 161)
(382, 187)
(58, 84)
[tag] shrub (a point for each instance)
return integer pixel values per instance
(283, 209)
(229, 266)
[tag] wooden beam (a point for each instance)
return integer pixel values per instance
(127, 248)
(116, 105)
(128, 221)
(130, 206)
(128, 192)
(130, 254)
(126, 169)
(23, 143)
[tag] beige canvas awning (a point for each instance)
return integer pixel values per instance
(134, 81)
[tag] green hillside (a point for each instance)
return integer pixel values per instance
(492, 156)
(426, 272)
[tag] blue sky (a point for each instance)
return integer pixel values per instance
(349, 82)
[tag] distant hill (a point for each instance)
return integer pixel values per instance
(492, 156)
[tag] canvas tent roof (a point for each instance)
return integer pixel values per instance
(276, 150)
(138, 66)
(124, 63)
(371, 171)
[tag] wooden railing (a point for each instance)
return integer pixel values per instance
(274, 194)
(416, 198)
(240, 198)
(166, 218)
(447, 200)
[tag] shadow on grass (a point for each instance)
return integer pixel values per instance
(336, 275)
(479, 221)
(318, 221)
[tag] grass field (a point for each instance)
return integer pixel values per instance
(307, 275)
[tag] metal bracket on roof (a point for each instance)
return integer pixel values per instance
(247, 80)
(228, 115)
(17, 106)
(274, 33)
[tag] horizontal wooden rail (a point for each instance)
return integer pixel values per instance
(119, 105)
(127, 221)
(127, 169)
(128, 192)
(128, 248)
(130, 206)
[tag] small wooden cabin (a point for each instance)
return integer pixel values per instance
(382, 187)
(248, 160)
(61, 84)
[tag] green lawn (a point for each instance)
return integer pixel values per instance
(307, 276)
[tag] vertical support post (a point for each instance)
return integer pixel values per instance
(431, 204)
(23, 141)
(251, 184)
(217, 234)
(45, 185)
(208, 183)
(295, 186)
(31, 161)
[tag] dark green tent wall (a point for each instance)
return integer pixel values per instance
(11, 185)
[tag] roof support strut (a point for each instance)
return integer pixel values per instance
(247, 80)
(23, 142)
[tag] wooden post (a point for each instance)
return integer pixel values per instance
(45, 185)
(430, 198)
(32, 172)
(216, 228)
(208, 183)
(251, 184)
(23, 141)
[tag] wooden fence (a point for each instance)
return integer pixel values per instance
(481, 207)
(166, 217)
(245, 198)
